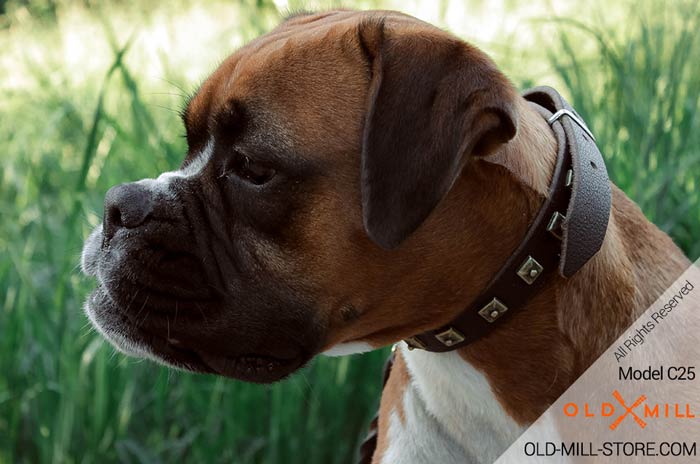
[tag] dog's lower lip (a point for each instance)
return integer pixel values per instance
(250, 367)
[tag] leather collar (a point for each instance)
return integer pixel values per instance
(567, 231)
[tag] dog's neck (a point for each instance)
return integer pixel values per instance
(564, 328)
(532, 357)
(470, 405)
(534, 339)
(477, 400)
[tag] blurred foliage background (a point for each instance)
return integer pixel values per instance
(90, 92)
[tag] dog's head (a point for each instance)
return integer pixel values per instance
(298, 218)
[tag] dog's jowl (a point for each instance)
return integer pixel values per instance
(354, 179)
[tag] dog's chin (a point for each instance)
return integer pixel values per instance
(134, 340)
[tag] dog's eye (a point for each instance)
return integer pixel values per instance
(248, 170)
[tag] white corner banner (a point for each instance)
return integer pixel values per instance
(639, 402)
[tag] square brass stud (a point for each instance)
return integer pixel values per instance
(493, 310)
(450, 337)
(413, 343)
(569, 178)
(555, 225)
(530, 270)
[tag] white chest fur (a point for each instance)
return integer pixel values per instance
(451, 415)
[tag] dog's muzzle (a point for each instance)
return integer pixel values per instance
(149, 273)
(148, 252)
(162, 293)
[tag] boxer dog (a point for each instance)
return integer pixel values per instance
(353, 179)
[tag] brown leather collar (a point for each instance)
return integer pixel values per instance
(566, 232)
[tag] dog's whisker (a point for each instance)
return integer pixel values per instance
(86, 332)
(169, 94)
(182, 92)
(163, 107)
(201, 311)
(133, 298)
(139, 322)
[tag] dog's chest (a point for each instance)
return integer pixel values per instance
(450, 414)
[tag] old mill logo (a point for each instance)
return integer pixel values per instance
(640, 410)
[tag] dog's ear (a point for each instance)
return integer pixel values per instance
(433, 101)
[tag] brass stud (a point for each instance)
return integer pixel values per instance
(493, 310)
(530, 270)
(555, 226)
(569, 178)
(450, 337)
(413, 343)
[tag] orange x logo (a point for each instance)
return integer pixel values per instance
(628, 410)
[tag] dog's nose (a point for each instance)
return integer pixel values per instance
(126, 205)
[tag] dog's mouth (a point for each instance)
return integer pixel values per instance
(174, 350)
(258, 368)
(253, 367)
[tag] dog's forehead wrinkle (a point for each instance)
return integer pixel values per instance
(229, 117)
(282, 42)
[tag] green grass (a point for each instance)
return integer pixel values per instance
(67, 137)
(643, 103)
